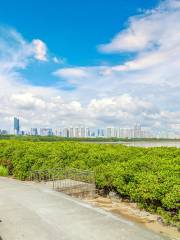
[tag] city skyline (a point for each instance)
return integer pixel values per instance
(99, 64)
(83, 131)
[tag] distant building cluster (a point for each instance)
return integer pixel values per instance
(3, 132)
(135, 132)
(81, 132)
(110, 132)
(85, 132)
(72, 132)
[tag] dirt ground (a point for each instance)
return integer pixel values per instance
(132, 212)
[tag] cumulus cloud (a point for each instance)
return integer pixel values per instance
(16, 52)
(26, 101)
(148, 30)
(121, 110)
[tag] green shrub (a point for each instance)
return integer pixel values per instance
(3, 171)
(148, 176)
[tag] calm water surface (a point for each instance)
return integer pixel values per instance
(146, 143)
(153, 144)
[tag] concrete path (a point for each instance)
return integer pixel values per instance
(31, 211)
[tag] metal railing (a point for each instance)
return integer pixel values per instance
(74, 182)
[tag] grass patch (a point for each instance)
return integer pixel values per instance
(3, 171)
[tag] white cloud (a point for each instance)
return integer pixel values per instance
(121, 110)
(124, 103)
(59, 60)
(26, 101)
(40, 50)
(55, 60)
(16, 52)
(152, 29)
(71, 72)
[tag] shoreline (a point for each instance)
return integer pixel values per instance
(131, 212)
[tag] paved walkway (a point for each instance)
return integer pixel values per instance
(31, 211)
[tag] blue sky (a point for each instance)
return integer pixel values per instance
(97, 62)
(71, 29)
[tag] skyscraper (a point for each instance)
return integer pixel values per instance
(65, 132)
(34, 131)
(137, 131)
(88, 133)
(71, 132)
(110, 132)
(82, 132)
(76, 132)
(16, 126)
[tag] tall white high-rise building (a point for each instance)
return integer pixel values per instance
(109, 132)
(82, 132)
(76, 132)
(71, 132)
(137, 131)
(112, 132)
(88, 133)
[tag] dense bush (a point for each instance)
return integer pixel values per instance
(148, 176)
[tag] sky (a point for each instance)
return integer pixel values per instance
(90, 63)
